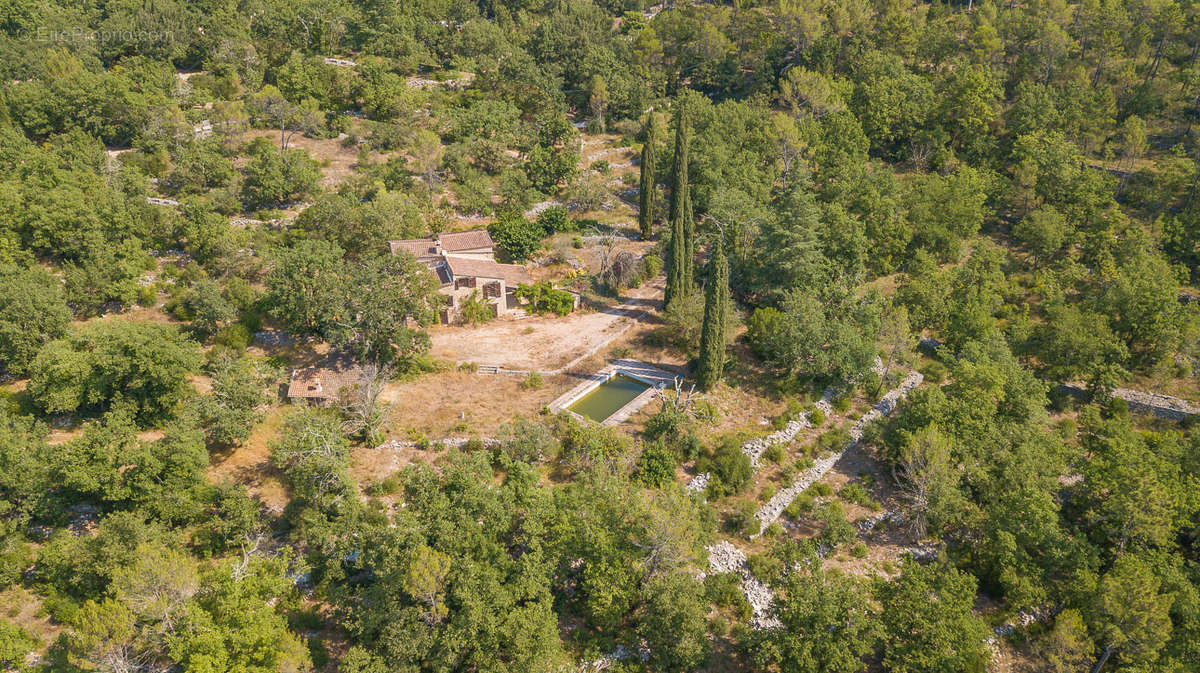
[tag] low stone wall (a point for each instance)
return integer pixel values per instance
(723, 557)
(776, 505)
(447, 443)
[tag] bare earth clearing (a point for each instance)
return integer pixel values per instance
(543, 343)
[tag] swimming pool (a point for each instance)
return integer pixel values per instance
(607, 398)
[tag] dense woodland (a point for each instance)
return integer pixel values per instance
(826, 181)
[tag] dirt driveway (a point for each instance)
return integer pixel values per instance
(543, 343)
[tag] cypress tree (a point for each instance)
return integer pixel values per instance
(676, 264)
(716, 316)
(681, 274)
(646, 203)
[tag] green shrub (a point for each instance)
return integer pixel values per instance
(856, 493)
(821, 490)
(833, 440)
(555, 219)
(15, 646)
(764, 329)
(871, 386)
(665, 422)
(1067, 428)
(532, 380)
(724, 589)
(1118, 408)
(545, 298)
(859, 550)
(389, 486)
(516, 238)
(838, 530)
(793, 411)
(475, 310)
(651, 266)
(527, 441)
(235, 337)
(707, 411)
(729, 467)
(934, 372)
(816, 417)
(740, 518)
(656, 465)
(318, 653)
(775, 453)
(147, 295)
(767, 492)
(689, 447)
(800, 507)
(765, 567)
(841, 403)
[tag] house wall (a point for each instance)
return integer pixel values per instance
(459, 294)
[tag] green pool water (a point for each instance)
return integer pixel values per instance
(610, 396)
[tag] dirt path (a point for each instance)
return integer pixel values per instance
(545, 344)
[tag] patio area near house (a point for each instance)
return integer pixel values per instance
(544, 343)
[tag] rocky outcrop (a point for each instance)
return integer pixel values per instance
(698, 483)
(1162, 406)
(1151, 404)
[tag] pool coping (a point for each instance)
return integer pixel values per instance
(656, 379)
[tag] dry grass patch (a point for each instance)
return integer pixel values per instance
(464, 404)
(24, 608)
(338, 162)
(250, 464)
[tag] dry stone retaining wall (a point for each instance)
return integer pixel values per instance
(755, 448)
(723, 557)
(775, 506)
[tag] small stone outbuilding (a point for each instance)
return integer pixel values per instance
(321, 384)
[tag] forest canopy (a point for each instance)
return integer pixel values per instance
(799, 206)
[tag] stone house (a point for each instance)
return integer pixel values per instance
(465, 263)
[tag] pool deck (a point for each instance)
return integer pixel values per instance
(650, 375)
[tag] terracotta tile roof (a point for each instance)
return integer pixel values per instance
(324, 380)
(465, 240)
(512, 274)
(421, 248)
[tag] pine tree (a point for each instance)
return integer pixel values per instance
(680, 272)
(716, 316)
(646, 192)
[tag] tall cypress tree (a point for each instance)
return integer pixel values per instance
(681, 274)
(676, 264)
(716, 316)
(646, 192)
